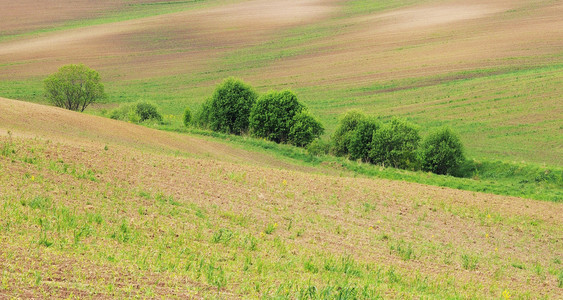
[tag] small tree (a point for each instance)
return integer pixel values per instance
(343, 134)
(395, 144)
(201, 118)
(442, 152)
(361, 139)
(147, 111)
(187, 117)
(305, 129)
(230, 106)
(74, 87)
(273, 115)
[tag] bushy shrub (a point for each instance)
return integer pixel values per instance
(318, 147)
(343, 134)
(361, 139)
(136, 112)
(124, 112)
(395, 144)
(442, 152)
(230, 106)
(201, 118)
(273, 115)
(147, 111)
(187, 118)
(305, 129)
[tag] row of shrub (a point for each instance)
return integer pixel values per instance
(396, 143)
(278, 116)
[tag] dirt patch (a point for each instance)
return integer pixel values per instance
(438, 15)
(199, 35)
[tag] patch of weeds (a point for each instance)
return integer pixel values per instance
(144, 194)
(348, 266)
(251, 242)
(517, 265)
(560, 279)
(392, 276)
(345, 265)
(37, 278)
(310, 266)
(237, 177)
(30, 160)
(166, 200)
(8, 146)
(222, 235)
(44, 227)
(240, 220)
(87, 174)
(270, 228)
(94, 218)
(39, 202)
(123, 234)
(404, 250)
(368, 207)
(215, 276)
(83, 231)
(382, 237)
(289, 195)
(539, 271)
(469, 262)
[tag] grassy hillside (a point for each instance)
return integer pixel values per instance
(491, 70)
(89, 212)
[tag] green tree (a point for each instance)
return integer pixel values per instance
(273, 115)
(343, 135)
(187, 118)
(230, 106)
(147, 111)
(361, 139)
(395, 144)
(305, 129)
(74, 87)
(442, 152)
(201, 117)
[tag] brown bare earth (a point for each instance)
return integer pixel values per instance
(510, 238)
(156, 46)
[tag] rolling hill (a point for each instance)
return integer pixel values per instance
(93, 207)
(490, 69)
(97, 208)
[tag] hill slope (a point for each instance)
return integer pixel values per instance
(492, 70)
(136, 219)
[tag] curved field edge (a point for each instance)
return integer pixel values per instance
(497, 177)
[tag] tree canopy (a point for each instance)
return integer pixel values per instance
(74, 87)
